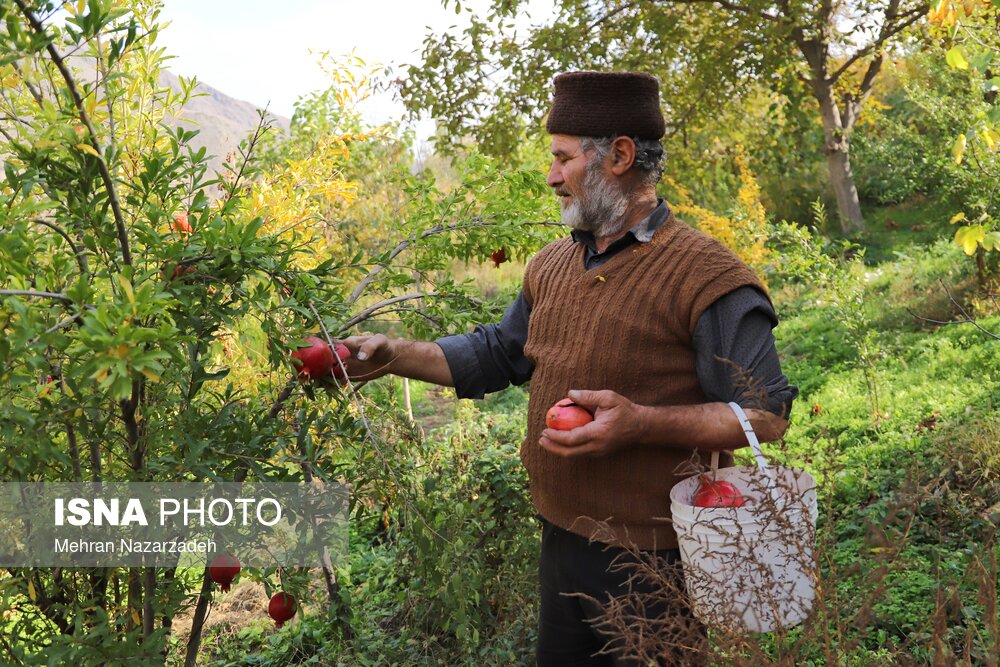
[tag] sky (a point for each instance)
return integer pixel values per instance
(258, 50)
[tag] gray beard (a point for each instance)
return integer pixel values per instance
(601, 208)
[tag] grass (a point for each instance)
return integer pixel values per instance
(919, 221)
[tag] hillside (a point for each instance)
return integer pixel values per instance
(222, 121)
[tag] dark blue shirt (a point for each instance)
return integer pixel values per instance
(733, 333)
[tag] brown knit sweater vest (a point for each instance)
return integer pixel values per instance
(627, 326)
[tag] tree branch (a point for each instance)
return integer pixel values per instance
(888, 31)
(968, 318)
(370, 310)
(81, 256)
(732, 6)
(610, 15)
(31, 88)
(39, 295)
(109, 184)
(437, 229)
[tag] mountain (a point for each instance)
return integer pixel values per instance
(222, 121)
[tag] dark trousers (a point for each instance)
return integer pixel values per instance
(566, 635)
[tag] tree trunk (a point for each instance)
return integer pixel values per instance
(836, 149)
(842, 180)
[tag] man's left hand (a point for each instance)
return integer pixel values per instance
(617, 423)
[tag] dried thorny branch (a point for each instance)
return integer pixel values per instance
(968, 319)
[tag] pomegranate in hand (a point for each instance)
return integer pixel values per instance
(343, 354)
(314, 360)
(717, 493)
(567, 415)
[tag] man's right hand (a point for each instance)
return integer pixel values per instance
(374, 356)
(371, 356)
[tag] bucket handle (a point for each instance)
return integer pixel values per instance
(748, 431)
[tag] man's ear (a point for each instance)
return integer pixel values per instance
(622, 155)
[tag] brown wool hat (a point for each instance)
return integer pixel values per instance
(606, 104)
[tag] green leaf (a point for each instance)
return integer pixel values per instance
(956, 59)
(982, 62)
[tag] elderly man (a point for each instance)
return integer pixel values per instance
(638, 317)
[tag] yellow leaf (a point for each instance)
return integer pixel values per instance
(127, 287)
(958, 150)
(150, 375)
(991, 138)
(119, 351)
(992, 241)
(91, 105)
(32, 593)
(955, 218)
(955, 58)
(969, 237)
(87, 148)
(135, 617)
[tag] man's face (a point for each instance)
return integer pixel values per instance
(592, 200)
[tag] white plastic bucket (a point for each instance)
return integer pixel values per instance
(750, 567)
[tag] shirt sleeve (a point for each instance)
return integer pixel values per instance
(492, 355)
(736, 359)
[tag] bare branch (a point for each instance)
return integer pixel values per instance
(888, 31)
(371, 310)
(35, 294)
(968, 318)
(437, 229)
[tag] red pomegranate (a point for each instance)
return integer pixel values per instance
(179, 270)
(717, 493)
(567, 415)
(223, 569)
(315, 359)
(499, 257)
(181, 224)
(281, 608)
(343, 354)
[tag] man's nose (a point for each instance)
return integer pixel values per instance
(555, 178)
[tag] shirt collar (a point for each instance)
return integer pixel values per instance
(642, 232)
